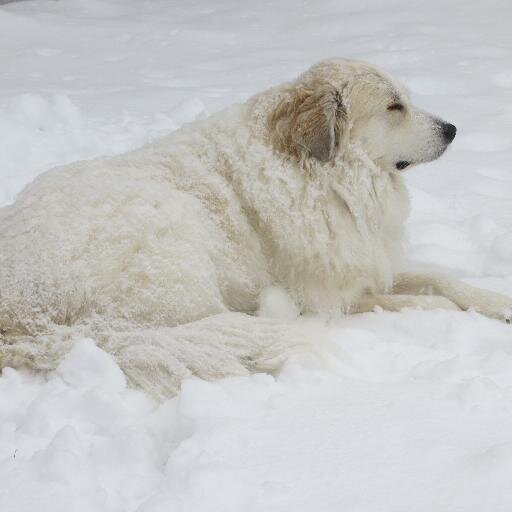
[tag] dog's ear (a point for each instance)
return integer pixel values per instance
(309, 122)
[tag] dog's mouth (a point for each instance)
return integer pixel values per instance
(402, 164)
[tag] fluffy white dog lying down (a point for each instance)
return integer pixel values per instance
(161, 254)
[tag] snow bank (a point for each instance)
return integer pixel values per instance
(411, 415)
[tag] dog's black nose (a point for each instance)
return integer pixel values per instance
(449, 131)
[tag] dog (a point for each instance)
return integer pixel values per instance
(162, 254)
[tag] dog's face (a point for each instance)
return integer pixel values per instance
(341, 102)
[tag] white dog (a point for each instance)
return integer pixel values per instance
(161, 254)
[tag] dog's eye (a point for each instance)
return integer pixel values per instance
(396, 106)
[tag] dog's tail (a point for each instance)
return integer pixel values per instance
(157, 360)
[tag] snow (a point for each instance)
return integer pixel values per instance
(400, 412)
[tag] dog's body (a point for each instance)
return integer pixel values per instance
(297, 188)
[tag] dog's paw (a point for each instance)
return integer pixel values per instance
(495, 305)
(504, 312)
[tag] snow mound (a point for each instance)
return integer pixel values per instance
(86, 365)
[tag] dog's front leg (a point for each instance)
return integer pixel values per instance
(491, 304)
(391, 302)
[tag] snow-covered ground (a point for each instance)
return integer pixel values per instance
(402, 412)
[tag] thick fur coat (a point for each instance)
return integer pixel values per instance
(298, 188)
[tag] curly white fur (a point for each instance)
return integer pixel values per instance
(295, 188)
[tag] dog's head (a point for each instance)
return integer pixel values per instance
(338, 102)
